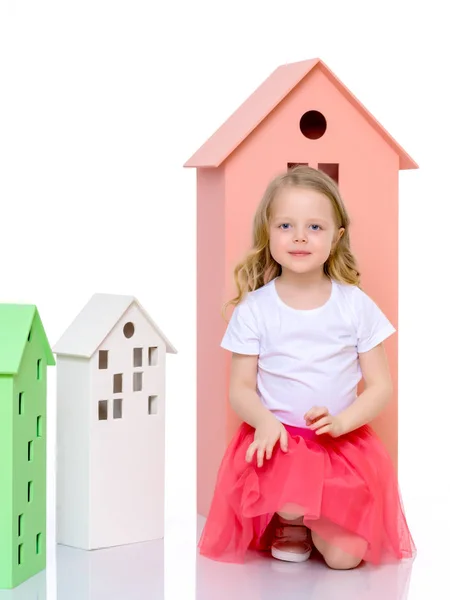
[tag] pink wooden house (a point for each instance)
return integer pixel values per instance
(301, 114)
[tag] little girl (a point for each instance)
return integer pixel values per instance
(305, 468)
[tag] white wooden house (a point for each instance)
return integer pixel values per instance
(110, 425)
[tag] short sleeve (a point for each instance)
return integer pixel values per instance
(373, 325)
(241, 335)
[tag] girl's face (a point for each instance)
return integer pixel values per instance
(302, 229)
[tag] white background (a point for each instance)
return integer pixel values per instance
(101, 103)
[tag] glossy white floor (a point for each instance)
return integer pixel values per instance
(268, 579)
(169, 570)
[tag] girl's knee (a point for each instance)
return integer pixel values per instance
(339, 560)
(336, 558)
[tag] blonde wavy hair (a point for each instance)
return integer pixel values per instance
(258, 266)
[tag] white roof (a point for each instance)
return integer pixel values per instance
(94, 323)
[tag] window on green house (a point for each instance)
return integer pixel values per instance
(38, 543)
(30, 451)
(39, 426)
(20, 525)
(30, 491)
(21, 403)
(20, 554)
(39, 368)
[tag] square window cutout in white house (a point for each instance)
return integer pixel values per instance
(110, 426)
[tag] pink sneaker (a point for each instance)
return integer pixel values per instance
(291, 543)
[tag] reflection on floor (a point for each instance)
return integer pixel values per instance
(263, 578)
(129, 572)
(171, 570)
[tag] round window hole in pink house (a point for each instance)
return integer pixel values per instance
(313, 124)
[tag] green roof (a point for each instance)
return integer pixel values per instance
(15, 325)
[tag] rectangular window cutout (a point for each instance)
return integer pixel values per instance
(39, 426)
(30, 451)
(118, 383)
(292, 165)
(331, 169)
(117, 408)
(102, 410)
(152, 405)
(20, 525)
(137, 382)
(103, 359)
(137, 357)
(39, 369)
(20, 554)
(21, 403)
(38, 543)
(30, 491)
(29, 336)
(153, 356)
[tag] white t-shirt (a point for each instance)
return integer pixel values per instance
(306, 357)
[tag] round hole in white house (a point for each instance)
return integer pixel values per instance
(128, 329)
(313, 124)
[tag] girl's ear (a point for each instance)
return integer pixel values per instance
(340, 233)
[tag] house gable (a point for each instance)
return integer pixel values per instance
(132, 346)
(16, 321)
(349, 141)
(134, 328)
(94, 323)
(266, 98)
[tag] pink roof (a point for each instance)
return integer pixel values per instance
(263, 101)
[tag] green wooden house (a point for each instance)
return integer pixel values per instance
(25, 355)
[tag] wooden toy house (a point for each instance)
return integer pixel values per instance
(25, 355)
(111, 418)
(301, 114)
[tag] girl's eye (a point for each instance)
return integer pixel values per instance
(284, 225)
(314, 227)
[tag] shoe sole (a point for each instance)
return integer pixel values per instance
(290, 556)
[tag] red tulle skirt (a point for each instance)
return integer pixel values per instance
(346, 488)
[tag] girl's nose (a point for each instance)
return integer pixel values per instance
(300, 236)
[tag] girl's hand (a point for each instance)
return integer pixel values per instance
(267, 434)
(318, 419)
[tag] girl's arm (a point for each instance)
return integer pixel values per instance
(243, 396)
(377, 393)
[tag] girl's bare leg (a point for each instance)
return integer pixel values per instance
(334, 556)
